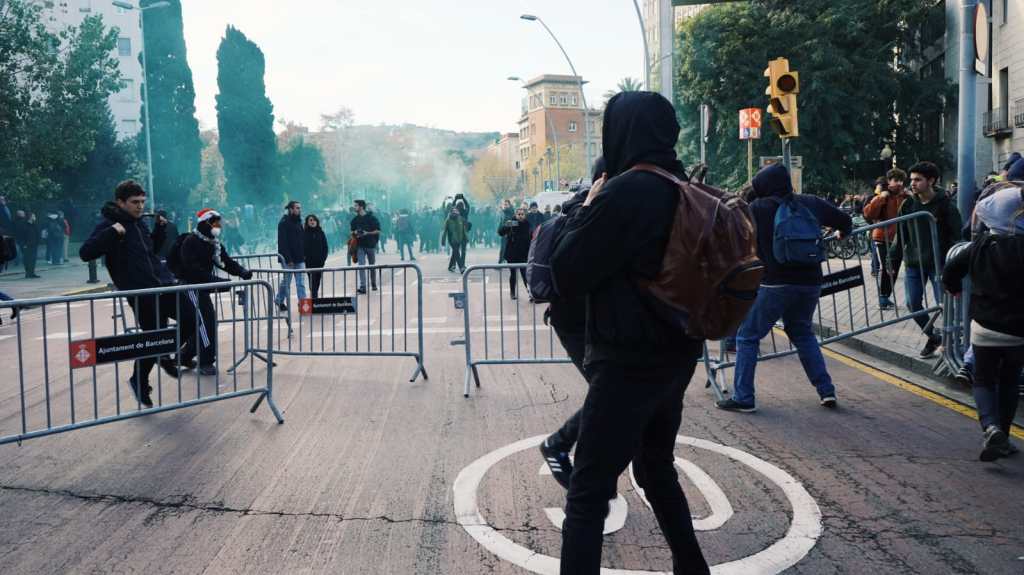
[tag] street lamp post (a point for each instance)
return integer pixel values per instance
(548, 125)
(579, 80)
(145, 87)
(647, 50)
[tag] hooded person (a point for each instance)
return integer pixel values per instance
(994, 261)
(198, 256)
(638, 363)
(1008, 166)
(456, 233)
(314, 246)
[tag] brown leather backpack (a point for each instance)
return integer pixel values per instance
(710, 270)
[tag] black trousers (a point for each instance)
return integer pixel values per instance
(152, 312)
(575, 344)
(203, 335)
(458, 257)
(30, 253)
(315, 278)
(632, 413)
(512, 278)
(997, 371)
(886, 280)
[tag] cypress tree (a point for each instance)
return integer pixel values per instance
(245, 122)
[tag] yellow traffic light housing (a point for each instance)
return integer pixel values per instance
(783, 87)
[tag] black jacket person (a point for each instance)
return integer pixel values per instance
(638, 364)
(201, 253)
(128, 247)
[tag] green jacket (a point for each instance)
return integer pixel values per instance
(456, 231)
(914, 239)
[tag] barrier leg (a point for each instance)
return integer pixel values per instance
(465, 386)
(419, 370)
(270, 404)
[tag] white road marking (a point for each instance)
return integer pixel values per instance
(3, 337)
(426, 320)
(721, 509)
(618, 510)
(804, 530)
(61, 335)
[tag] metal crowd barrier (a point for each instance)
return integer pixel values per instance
(956, 337)
(518, 333)
(387, 322)
(851, 311)
(71, 362)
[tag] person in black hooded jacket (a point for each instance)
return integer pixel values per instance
(517, 250)
(130, 256)
(638, 364)
(201, 253)
(314, 245)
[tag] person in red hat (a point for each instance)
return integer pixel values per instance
(194, 259)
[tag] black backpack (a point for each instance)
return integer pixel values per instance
(8, 249)
(539, 278)
(174, 263)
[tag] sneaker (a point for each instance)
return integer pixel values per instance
(187, 363)
(733, 405)
(282, 306)
(829, 402)
(374, 288)
(995, 442)
(965, 376)
(1008, 449)
(930, 348)
(143, 395)
(169, 366)
(886, 304)
(361, 291)
(558, 462)
(207, 370)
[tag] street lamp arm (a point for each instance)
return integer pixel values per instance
(647, 51)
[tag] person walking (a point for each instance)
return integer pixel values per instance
(886, 206)
(456, 234)
(405, 234)
(290, 249)
(789, 290)
(314, 244)
(506, 214)
(366, 228)
(638, 364)
(568, 318)
(914, 244)
(517, 248)
(53, 233)
(200, 254)
(994, 261)
(128, 249)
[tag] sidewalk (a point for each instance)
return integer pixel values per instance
(71, 277)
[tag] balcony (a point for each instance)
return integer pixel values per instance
(1018, 113)
(996, 122)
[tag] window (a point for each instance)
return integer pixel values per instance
(553, 100)
(127, 93)
(124, 46)
(572, 125)
(564, 99)
(130, 127)
(575, 99)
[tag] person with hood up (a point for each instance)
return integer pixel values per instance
(456, 233)
(517, 249)
(201, 253)
(914, 244)
(788, 291)
(638, 363)
(27, 234)
(314, 244)
(53, 233)
(290, 249)
(994, 260)
(129, 252)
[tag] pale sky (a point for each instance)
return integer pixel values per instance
(438, 63)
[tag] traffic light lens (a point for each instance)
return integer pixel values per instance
(786, 83)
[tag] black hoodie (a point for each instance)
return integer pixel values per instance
(131, 259)
(621, 236)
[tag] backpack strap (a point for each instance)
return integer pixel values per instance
(683, 187)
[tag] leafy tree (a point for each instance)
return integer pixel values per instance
(625, 85)
(109, 162)
(492, 179)
(174, 129)
(302, 171)
(245, 120)
(53, 92)
(210, 191)
(853, 98)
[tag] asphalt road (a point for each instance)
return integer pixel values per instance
(373, 474)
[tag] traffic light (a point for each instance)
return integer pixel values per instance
(783, 86)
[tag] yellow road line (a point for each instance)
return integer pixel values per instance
(917, 390)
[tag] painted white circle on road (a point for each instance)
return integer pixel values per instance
(801, 537)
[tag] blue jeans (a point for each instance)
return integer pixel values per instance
(366, 256)
(795, 304)
(914, 279)
(283, 292)
(876, 264)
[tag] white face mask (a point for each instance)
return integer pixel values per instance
(215, 232)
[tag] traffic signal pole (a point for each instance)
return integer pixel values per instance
(967, 127)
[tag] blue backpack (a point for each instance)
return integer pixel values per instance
(797, 237)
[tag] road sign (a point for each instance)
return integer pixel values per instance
(750, 123)
(981, 39)
(796, 172)
(327, 306)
